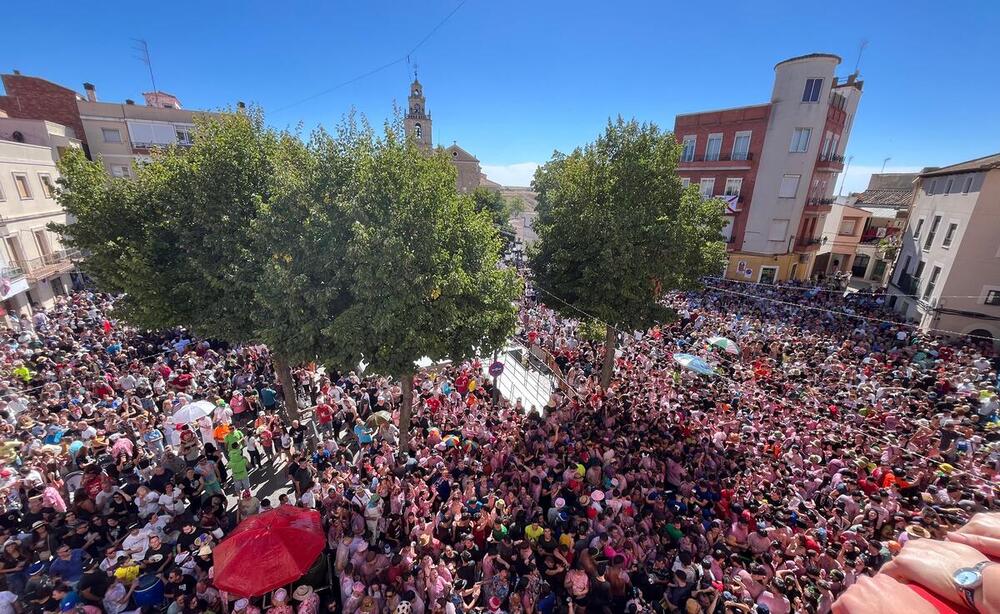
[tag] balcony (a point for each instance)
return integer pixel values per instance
(11, 272)
(807, 245)
(721, 157)
(49, 265)
(819, 205)
(830, 163)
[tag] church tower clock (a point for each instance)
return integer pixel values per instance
(417, 121)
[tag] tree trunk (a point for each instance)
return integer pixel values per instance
(608, 369)
(284, 373)
(405, 408)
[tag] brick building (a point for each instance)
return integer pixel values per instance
(775, 165)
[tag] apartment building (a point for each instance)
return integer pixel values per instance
(115, 133)
(947, 275)
(34, 267)
(775, 164)
(887, 199)
(839, 239)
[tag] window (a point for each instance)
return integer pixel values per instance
(929, 288)
(950, 235)
(714, 147)
(916, 231)
(708, 187)
(733, 186)
(46, 182)
(23, 189)
(800, 140)
(933, 187)
(741, 145)
(779, 228)
(789, 186)
(184, 136)
(813, 88)
(119, 170)
(2, 197)
(111, 135)
(904, 271)
(848, 226)
(930, 234)
(418, 131)
(992, 298)
(824, 151)
(685, 182)
(688, 154)
(919, 270)
(967, 185)
(948, 184)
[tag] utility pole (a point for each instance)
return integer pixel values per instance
(843, 177)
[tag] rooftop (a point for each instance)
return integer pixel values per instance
(979, 164)
(809, 56)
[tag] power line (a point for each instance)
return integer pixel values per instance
(827, 290)
(844, 313)
(403, 58)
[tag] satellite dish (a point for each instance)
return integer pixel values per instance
(17, 136)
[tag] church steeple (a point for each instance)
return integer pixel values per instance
(417, 121)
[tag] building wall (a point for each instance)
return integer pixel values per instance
(35, 98)
(773, 220)
(970, 266)
(975, 259)
(786, 266)
(25, 241)
(728, 123)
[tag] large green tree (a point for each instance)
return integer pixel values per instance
(422, 263)
(616, 230)
(181, 239)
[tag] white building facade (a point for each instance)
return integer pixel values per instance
(947, 275)
(35, 267)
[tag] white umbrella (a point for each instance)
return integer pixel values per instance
(192, 412)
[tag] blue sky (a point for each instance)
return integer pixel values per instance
(511, 81)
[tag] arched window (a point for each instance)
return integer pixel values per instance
(418, 131)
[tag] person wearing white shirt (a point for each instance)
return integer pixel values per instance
(136, 543)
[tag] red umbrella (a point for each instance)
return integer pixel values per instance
(268, 551)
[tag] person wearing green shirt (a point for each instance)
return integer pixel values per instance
(238, 469)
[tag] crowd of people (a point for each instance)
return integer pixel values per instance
(829, 440)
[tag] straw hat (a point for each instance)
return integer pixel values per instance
(597, 495)
(280, 595)
(240, 605)
(302, 593)
(918, 531)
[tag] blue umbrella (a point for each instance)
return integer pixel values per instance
(690, 361)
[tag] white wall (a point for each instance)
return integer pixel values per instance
(787, 113)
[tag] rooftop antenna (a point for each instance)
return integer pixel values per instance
(861, 50)
(143, 48)
(883, 164)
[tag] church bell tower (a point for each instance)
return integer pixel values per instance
(417, 121)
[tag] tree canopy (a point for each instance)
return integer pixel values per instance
(616, 229)
(422, 265)
(350, 247)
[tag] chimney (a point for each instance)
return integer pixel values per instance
(129, 101)
(91, 91)
(17, 72)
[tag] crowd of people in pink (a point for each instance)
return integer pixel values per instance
(828, 443)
